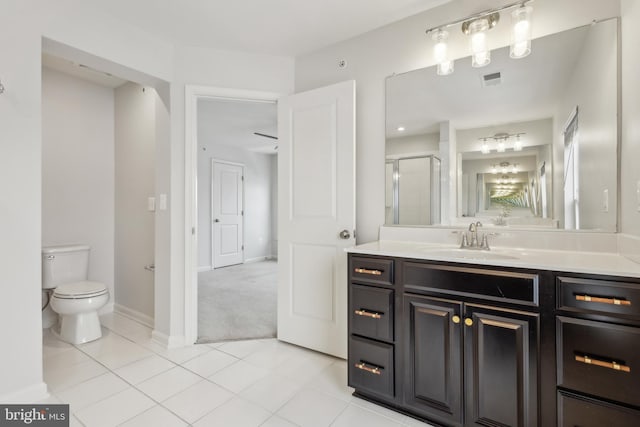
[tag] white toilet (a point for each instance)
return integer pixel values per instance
(65, 270)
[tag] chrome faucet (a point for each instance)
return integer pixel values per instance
(473, 236)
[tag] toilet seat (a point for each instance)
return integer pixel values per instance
(80, 290)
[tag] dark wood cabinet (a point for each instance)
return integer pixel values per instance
(464, 345)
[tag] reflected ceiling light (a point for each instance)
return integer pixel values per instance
(501, 147)
(517, 145)
(513, 168)
(444, 65)
(520, 32)
(484, 148)
(476, 27)
(400, 128)
(494, 169)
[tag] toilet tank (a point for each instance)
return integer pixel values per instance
(64, 264)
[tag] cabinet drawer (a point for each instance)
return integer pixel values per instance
(371, 312)
(599, 359)
(574, 410)
(371, 366)
(599, 296)
(521, 288)
(372, 270)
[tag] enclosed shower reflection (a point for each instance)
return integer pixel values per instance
(413, 190)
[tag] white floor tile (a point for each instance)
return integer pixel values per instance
(168, 383)
(69, 357)
(156, 416)
(237, 413)
(270, 357)
(271, 392)
(244, 348)
(276, 421)
(209, 363)
(333, 380)
(126, 327)
(238, 376)
(197, 401)
(64, 377)
(52, 345)
(115, 409)
(412, 422)
(74, 422)
(302, 367)
(92, 391)
(357, 416)
(388, 413)
(143, 369)
(178, 355)
(311, 408)
(114, 351)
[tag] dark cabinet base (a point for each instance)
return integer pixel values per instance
(575, 410)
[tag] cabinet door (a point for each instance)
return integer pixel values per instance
(500, 367)
(433, 362)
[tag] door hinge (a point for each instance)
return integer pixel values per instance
(193, 231)
(242, 178)
(242, 213)
(243, 247)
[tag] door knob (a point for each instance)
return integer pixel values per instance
(456, 319)
(216, 220)
(344, 234)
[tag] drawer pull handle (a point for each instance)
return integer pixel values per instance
(372, 314)
(611, 365)
(372, 272)
(372, 369)
(614, 301)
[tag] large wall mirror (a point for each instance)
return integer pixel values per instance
(531, 142)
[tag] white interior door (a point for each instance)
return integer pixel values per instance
(226, 209)
(316, 202)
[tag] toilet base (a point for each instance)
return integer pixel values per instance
(79, 328)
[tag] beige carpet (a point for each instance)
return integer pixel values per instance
(237, 302)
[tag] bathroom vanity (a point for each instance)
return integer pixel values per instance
(488, 338)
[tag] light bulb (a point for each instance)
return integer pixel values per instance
(440, 55)
(517, 145)
(480, 54)
(501, 147)
(484, 148)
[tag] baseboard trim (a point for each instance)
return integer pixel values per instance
(167, 341)
(31, 394)
(257, 259)
(204, 268)
(134, 315)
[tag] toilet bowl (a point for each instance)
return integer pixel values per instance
(78, 304)
(73, 299)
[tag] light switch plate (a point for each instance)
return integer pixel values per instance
(163, 202)
(151, 204)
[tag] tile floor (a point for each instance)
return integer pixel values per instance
(125, 379)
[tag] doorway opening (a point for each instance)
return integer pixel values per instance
(237, 208)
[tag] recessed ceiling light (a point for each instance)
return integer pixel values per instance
(400, 128)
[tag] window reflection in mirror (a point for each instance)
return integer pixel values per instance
(562, 179)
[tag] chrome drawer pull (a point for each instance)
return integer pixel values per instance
(365, 271)
(614, 301)
(372, 314)
(372, 369)
(610, 365)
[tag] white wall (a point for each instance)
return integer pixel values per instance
(630, 172)
(258, 174)
(135, 55)
(135, 110)
(401, 47)
(413, 145)
(78, 169)
(597, 70)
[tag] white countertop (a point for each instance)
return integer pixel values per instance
(604, 263)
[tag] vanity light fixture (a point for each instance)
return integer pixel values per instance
(517, 144)
(476, 27)
(501, 139)
(484, 148)
(501, 146)
(494, 169)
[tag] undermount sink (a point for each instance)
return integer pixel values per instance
(469, 254)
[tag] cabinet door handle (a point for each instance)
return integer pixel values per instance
(376, 370)
(468, 321)
(366, 313)
(610, 365)
(455, 319)
(365, 271)
(614, 301)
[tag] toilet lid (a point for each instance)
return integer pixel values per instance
(84, 289)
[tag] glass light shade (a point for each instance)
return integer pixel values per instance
(501, 146)
(517, 145)
(514, 169)
(494, 169)
(520, 32)
(480, 54)
(440, 55)
(484, 148)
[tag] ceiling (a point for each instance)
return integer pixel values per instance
(233, 123)
(276, 27)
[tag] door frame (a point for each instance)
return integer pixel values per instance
(224, 162)
(192, 94)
